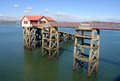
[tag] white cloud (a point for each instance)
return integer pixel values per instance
(28, 10)
(15, 5)
(60, 16)
(46, 10)
(1, 15)
(74, 18)
(8, 17)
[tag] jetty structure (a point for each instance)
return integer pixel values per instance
(42, 31)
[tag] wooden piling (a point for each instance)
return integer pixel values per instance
(32, 38)
(50, 42)
(26, 37)
(80, 56)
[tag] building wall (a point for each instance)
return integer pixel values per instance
(26, 25)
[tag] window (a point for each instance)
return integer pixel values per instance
(25, 22)
(42, 22)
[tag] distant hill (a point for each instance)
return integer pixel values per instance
(9, 19)
(8, 22)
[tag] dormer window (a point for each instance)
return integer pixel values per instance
(25, 22)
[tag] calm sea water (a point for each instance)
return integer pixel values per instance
(19, 64)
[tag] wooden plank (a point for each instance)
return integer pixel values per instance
(74, 55)
(86, 46)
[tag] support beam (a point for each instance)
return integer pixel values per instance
(64, 37)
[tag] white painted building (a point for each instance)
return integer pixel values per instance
(30, 21)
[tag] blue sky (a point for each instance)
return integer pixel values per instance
(99, 9)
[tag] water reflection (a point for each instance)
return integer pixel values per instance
(38, 68)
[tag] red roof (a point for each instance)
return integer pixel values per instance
(36, 18)
(33, 17)
(49, 18)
